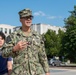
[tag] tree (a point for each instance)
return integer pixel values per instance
(52, 43)
(61, 34)
(69, 40)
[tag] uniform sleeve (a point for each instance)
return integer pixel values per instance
(43, 57)
(8, 47)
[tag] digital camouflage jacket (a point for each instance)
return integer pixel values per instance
(29, 61)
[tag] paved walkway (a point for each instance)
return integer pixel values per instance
(62, 71)
(67, 68)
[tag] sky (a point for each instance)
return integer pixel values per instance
(50, 12)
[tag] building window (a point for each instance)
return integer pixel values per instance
(9, 31)
(1, 29)
(5, 30)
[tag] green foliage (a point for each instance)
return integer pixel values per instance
(71, 20)
(53, 43)
(69, 40)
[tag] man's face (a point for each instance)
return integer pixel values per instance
(1, 41)
(26, 21)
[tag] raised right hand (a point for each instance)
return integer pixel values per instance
(20, 45)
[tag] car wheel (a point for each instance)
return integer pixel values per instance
(53, 64)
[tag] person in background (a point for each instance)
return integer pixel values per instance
(5, 63)
(26, 46)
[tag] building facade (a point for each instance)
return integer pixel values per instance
(6, 29)
(43, 28)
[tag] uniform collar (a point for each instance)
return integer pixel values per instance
(21, 33)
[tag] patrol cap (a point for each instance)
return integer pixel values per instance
(25, 12)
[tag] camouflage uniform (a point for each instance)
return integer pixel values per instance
(30, 61)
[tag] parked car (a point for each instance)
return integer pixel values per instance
(54, 62)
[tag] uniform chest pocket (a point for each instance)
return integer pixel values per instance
(36, 41)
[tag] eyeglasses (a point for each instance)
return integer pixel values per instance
(28, 17)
